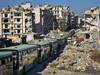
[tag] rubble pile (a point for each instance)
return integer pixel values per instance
(96, 57)
(80, 58)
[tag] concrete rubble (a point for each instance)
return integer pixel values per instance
(84, 57)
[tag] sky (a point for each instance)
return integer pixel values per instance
(77, 6)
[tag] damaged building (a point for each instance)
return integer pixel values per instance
(91, 28)
(16, 20)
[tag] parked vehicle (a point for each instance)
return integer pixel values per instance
(17, 60)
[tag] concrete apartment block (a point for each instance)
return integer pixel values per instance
(74, 20)
(16, 20)
(23, 18)
(61, 13)
(38, 20)
(43, 19)
(57, 13)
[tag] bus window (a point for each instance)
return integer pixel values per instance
(7, 67)
(24, 57)
(28, 55)
(20, 59)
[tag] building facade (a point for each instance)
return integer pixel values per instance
(61, 13)
(74, 20)
(43, 19)
(17, 20)
(92, 19)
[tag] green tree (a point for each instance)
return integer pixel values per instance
(62, 25)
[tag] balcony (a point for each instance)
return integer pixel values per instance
(18, 31)
(17, 26)
(5, 15)
(6, 28)
(17, 22)
(5, 21)
(5, 31)
(17, 16)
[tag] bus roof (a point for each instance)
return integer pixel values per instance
(19, 47)
(5, 54)
(52, 40)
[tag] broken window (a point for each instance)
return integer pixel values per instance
(11, 12)
(5, 20)
(6, 30)
(17, 14)
(11, 17)
(92, 11)
(11, 28)
(5, 15)
(6, 26)
(25, 14)
(18, 31)
(26, 20)
(18, 26)
(87, 36)
(11, 33)
(18, 20)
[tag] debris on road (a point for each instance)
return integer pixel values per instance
(84, 57)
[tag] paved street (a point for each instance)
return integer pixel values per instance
(39, 67)
(42, 66)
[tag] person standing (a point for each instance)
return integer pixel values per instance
(55, 53)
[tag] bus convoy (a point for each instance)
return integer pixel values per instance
(17, 60)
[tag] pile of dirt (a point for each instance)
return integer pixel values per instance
(96, 57)
(77, 59)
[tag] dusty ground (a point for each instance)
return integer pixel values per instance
(62, 72)
(96, 57)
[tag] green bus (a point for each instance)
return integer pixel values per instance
(43, 49)
(6, 64)
(54, 43)
(24, 57)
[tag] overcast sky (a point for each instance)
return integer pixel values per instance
(77, 6)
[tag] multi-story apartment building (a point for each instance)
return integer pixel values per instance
(23, 18)
(53, 15)
(61, 13)
(5, 21)
(43, 19)
(74, 20)
(17, 20)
